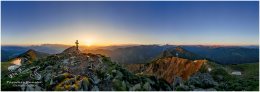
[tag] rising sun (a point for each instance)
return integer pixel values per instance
(88, 42)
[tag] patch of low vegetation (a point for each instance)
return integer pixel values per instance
(249, 80)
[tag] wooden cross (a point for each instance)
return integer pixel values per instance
(77, 44)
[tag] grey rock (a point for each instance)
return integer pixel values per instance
(184, 87)
(80, 84)
(95, 80)
(118, 85)
(211, 89)
(108, 77)
(65, 61)
(177, 82)
(202, 80)
(84, 85)
(37, 88)
(12, 68)
(71, 81)
(124, 85)
(199, 89)
(51, 82)
(113, 71)
(31, 87)
(150, 81)
(95, 88)
(49, 68)
(23, 87)
(100, 59)
(192, 87)
(119, 75)
(47, 77)
(135, 87)
(147, 86)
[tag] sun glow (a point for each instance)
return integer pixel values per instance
(89, 42)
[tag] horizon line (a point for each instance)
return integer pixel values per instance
(130, 44)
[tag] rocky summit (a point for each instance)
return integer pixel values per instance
(71, 50)
(72, 70)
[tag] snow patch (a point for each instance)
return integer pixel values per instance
(236, 73)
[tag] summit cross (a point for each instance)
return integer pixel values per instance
(77, 44)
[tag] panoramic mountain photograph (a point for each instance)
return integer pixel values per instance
(129, 46)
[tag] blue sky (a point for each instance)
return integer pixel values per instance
(109, 23)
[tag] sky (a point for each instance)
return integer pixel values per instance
(113, 23)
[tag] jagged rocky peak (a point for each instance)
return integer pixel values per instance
(169, 68)
(179, 52)
(72, 49)
(180, 49)
(174, 52)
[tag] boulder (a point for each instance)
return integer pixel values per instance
(202, 80)
(23, 87)
(150, 81)
(47, 77)
(95, 80)
(51, 82)
(136, 87)
(95, 88)
(65, 61)
(124, 87)
(177, 82)
(147, 86)
(85, 84)
(13, 67)
(182, 88)
(119, 75)
(211, 89)
(31, 87)
(119, 85)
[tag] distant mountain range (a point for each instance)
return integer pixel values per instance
(33, 55)
(8, 52)
(134, 54)
(180, 52)
(145, 53)
(227, 55)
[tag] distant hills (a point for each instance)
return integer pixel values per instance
(49, 48)
(227, 55)
(33, 55)
(139, 54)
(28, 56)
(8, 52)
(146, 53)
(179, 52)
(134, 54)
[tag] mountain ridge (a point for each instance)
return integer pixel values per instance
(219, 54)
